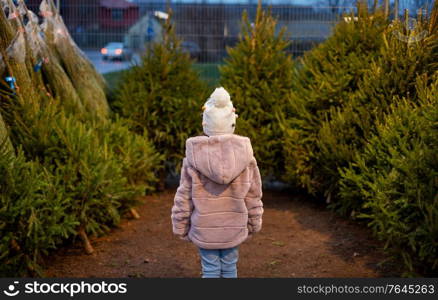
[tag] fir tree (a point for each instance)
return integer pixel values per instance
(34, 216)
(391, 76)
(163, 97)
(258, 76)
(392, 183)
(324, 80)
(70, 177)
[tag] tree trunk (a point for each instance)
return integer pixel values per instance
(162, 180)
(134, 213)
(87, 245)
(5, 143)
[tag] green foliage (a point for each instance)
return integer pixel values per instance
(34, 216)
(72, 172)
(135, 153)
(361, 130)
(96, 169)
(324, 82)
(94, 166)
(392, 75)
(4, 135)
(86, 169)
(113, 80)
(163, 97)
(396, 179)
(258, 75)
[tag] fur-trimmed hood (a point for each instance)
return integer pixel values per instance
(219, 157)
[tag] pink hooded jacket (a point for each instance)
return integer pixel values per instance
(218, 201)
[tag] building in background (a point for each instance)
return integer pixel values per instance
(148, 29)
(117, 14)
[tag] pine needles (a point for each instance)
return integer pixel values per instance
(66, 169)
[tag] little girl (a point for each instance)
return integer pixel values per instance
(218, 202)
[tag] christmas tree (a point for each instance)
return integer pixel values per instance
(325, 80)
(391, 76)
(258, 76)
(392, 183)
(70, 174)
(161, 97)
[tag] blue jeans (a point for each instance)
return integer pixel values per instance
(219, 263)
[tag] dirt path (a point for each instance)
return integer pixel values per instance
(298, 239)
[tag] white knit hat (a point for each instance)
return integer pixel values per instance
(219, 114)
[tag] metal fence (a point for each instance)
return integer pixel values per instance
(206, 29)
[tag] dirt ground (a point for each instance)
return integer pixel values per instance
(298, 239)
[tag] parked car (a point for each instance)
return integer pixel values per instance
(117, 51)
(192, 48)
